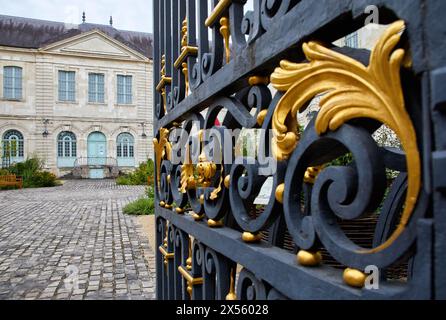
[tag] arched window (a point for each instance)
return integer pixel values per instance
(66, 145)
(125, 145)
(13, 146)
(125, 150)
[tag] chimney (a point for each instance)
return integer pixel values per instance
(83, 17)
(111, 21)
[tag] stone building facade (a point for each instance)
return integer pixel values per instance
(75, 95)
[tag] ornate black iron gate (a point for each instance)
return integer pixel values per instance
(344, 217)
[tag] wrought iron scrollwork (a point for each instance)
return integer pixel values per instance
(315, 205)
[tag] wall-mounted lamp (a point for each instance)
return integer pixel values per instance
(45, 131)
(143, 125)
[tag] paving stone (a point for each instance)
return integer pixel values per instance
(73, 242)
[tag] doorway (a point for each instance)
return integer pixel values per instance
(97, 154)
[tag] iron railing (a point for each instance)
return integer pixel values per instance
(96, 162)
(340, 208)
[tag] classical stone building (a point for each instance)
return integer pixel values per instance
(75, 95)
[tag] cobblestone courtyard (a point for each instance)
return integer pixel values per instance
(73, 242)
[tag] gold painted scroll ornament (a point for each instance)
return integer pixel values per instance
(165, 80)
(352, 91)
(226, 34)
(163, 150)
(219, 12)
(186, 51)
(206, 170)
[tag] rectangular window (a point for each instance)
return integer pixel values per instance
(96, 88)
(12, 83)
(67, 86)
(352, 40)
(125, 89)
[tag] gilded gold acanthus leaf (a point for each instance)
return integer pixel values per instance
(187, 178)
(187, 174)
(163, 150)
(352, 91)
(216, 192)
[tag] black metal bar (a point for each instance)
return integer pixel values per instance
(336, 200)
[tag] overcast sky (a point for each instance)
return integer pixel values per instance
(135, 15)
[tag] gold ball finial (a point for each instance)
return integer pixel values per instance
(227, 181)
(189, 264)
(198, 217)
(215, 224)
(279, 192)
(354, 278)
(231, 297)
(256, 80)
(249, 237)
(309, 259)
(162, 204)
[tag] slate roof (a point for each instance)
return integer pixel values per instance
(32, 33)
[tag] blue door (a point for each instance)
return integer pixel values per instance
(97, 154)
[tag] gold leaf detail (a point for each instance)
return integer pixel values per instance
(226, 34)
(216, 192)
(163, 150)
(352, 91)
(187, 174)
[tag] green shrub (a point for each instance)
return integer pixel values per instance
(41, 179)
(27, 169)
(144, 206)
(139, 176)
(150, 192)
(141, 207)
(32, 174)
